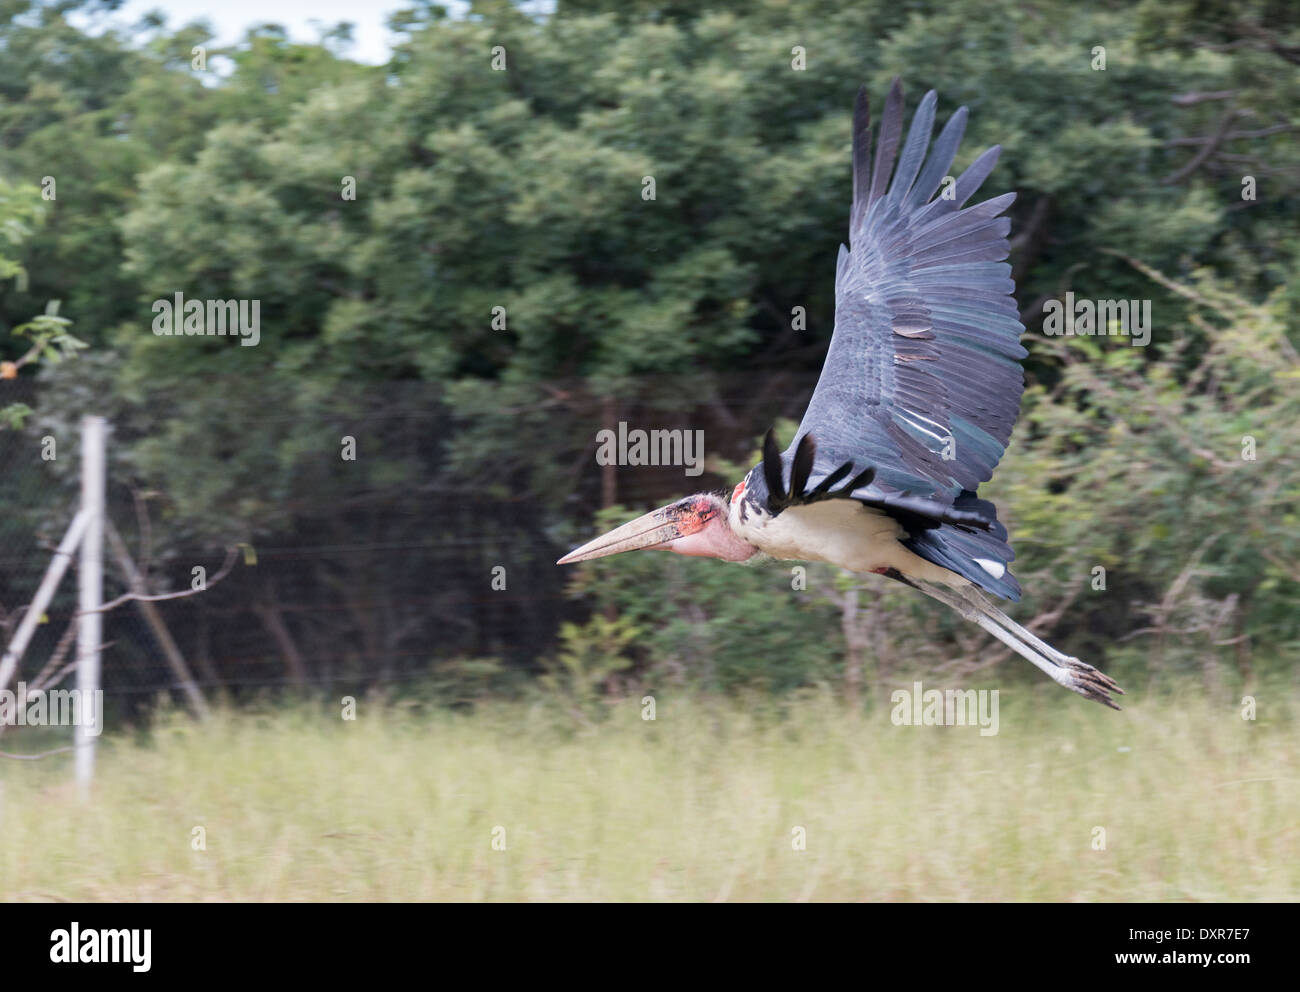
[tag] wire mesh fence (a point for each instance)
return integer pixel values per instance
(384, 548)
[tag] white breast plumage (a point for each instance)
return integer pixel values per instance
(842, 532)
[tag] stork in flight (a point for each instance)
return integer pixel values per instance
(917, 398)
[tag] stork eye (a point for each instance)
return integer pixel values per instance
(688, 506)
(705, 509)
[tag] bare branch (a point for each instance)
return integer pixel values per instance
(232, 555)
(1262, 132)
(1189, 99)
(39, 755)
(44, 677)
(1210, 147)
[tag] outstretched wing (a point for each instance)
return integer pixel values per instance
(922, 381)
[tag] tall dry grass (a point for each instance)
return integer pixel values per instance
(703, 803)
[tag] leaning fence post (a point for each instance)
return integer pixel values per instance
(151, 615)
(44, 593)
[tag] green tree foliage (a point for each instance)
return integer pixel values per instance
(460, 265)
(44, 338)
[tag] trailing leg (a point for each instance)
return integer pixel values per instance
(1062, 669)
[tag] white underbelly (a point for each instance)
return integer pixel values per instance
(842, 532)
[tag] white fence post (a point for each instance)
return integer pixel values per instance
(91, 587)
(53, 573)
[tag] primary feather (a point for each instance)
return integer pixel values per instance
(922, 379)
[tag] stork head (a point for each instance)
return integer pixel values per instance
(697, 525)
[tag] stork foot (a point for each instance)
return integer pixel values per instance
(1088, 681)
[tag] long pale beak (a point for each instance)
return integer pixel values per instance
(656, 527)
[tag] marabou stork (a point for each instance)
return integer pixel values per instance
(917, 398)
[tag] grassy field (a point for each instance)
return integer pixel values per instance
(703, 803)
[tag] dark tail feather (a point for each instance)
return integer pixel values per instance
(956, 547)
